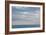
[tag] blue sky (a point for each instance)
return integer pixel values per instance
(22, 15)
(25, 9)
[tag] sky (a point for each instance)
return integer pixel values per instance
(25, 15)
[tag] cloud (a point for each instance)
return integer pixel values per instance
(25, 15)
(25, 9)
(25, 22)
